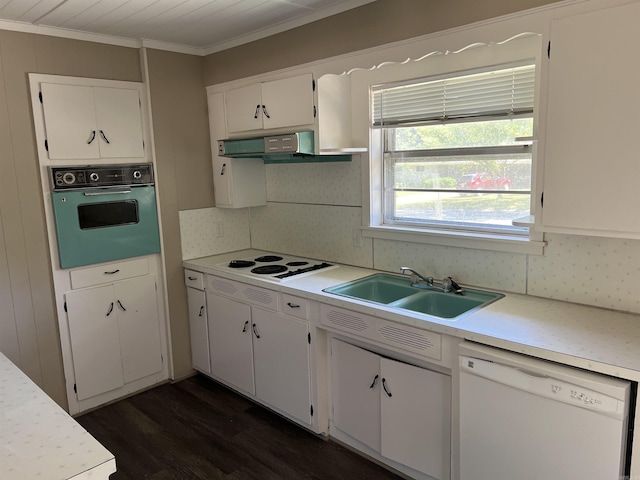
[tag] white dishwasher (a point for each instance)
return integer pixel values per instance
(529, 419)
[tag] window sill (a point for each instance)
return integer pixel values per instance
(500, 243)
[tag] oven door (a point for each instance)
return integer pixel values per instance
(101, 225)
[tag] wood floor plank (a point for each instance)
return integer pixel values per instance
(198, 429)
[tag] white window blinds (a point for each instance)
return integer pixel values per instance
(505, 92)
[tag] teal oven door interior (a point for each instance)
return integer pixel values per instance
(102, 225)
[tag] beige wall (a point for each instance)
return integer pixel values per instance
(184, 169)
(28, 325)
(371, 25)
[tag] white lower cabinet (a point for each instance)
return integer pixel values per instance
(259, 350)
(399, 410)
(198, 329)
(230, 341)
(115, 334)
(281, 359)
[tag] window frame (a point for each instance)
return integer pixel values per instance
(513, 51)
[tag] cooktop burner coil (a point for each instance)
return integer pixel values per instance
(268, 258)
(269, 269)
(241, 263)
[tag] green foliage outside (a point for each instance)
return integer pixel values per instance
(459, 135)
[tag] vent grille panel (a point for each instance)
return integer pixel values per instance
(399, 336)
(346, 321)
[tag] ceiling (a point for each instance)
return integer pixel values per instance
(212, 25)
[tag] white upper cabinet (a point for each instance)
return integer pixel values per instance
(591, 160)
(288, 102)
(87, 122)
(237, 182)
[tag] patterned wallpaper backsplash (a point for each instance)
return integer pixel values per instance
(604, 272)
(314, 211)
(200, 230)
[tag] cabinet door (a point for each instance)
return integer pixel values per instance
(230, 342)
(416, 417)
(244, 109)
(119, 122)
(137, 309)
(593, 118)
(70, 121)
(95, 341)
(198, 330)
(355, 385)
(281, 359)
(288, 102)
(221, 165)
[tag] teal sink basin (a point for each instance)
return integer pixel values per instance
(378, 288)
(396, 291)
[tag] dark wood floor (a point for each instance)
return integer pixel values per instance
(198, 429)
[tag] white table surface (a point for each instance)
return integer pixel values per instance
(39, 440)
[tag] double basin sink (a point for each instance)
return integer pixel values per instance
(396, 291)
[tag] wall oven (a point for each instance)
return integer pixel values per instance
(104, 213)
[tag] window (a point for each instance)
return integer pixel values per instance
(456, 150)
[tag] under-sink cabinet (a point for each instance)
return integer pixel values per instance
(259, 343)
(394, 408)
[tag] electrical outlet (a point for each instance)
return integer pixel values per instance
(357, 238)
(219, 229)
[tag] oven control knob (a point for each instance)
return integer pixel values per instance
(137, 174)
(69, 178)
(94, 177)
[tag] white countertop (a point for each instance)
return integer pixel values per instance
(38, 439)
(596, 339)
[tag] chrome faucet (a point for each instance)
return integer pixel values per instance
(447, 284)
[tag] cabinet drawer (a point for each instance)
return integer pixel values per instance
(112, 272)
(194, 279)
(294, 306)
(243, 292)
(405, 337)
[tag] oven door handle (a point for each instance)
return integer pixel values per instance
(105, 192)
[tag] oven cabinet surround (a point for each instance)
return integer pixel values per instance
(136, 337)
(237, 182)
(198, 325)
(395, 408)
(92, 123)
(592, 122)
(114, 331)
(261, 345)
(288, 102)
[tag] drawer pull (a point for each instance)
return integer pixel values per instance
(293, 305)
(112, 273)
(121, 306)
(255, 331)
(201, 311)
(373, 384)
(110, 309)
(192, 278)
(246, 324)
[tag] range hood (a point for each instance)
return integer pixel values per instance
(290, 148)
